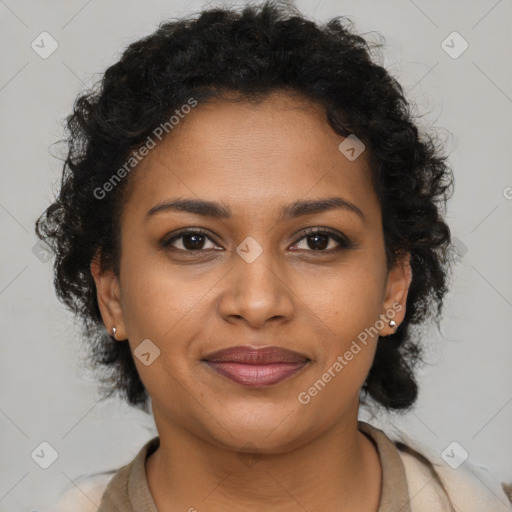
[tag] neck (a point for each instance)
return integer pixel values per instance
(338, 470)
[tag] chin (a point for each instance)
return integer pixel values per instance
(263, 433)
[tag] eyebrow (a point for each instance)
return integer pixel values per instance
(220, 211)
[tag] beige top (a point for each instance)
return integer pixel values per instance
(128, 490)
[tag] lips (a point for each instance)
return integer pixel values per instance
(256, 367)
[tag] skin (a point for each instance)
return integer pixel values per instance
(255, 159)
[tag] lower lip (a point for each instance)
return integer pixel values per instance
(256, 375)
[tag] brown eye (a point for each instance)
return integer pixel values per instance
(317, 240)
(190, 240)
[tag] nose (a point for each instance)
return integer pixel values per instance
(257, 292)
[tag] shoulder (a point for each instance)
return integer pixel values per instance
(84, 494)
(470, 487)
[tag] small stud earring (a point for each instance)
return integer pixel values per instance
(114, 330)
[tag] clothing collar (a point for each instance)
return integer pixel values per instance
(128, 490)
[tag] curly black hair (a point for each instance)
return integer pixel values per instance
(251, 51)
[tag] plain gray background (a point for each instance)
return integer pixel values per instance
(47, 394)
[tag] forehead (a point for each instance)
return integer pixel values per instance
(252, 155)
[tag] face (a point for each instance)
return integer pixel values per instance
(255, 276)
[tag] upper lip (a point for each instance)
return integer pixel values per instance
(256, 355)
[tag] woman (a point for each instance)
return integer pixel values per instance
(250, 226)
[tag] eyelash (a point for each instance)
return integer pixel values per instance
(343, 241)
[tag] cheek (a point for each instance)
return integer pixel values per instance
(160, 305)
(347, 346)
(155, 299)
(350, 300)
(348, 307)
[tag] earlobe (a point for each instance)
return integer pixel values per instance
(398, 284)
(108, 295)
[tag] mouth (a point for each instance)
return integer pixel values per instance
(256, 367)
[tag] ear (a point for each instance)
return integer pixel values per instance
(108, 294)
(397, 289)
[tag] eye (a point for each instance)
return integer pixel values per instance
(317, 240)
(193, 240)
